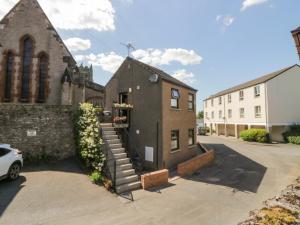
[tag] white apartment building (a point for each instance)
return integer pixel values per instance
(271, 102)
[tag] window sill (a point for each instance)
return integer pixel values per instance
(191, 110)
(175, 151)
(192, 146)
(175, 109)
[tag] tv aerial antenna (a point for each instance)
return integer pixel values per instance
(129, 47)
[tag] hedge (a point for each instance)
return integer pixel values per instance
(255, 135)
(292, 136)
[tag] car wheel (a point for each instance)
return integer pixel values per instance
(14, 171)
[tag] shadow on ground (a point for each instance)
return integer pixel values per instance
(231, 169)
(8, 190)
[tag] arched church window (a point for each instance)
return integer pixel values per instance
(8, 76)
(26, 64)
(43, 68)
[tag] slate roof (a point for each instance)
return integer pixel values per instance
(250, 83)
(163, 75)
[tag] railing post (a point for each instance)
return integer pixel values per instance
(115, 175)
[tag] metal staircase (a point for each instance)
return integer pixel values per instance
(123, 175)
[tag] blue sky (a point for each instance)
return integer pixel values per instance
(211, 44)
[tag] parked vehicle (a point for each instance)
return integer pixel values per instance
(11, 162)
(201, 131)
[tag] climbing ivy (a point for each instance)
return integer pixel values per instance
(88, 140)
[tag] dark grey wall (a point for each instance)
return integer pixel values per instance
(53, 126)
(146, 115)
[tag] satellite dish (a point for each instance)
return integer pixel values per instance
(153, 78)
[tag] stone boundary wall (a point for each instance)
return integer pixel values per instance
(191, 166)
(38, 130)
(155, 179)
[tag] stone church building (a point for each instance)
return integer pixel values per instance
(35, 65)
(40, 85)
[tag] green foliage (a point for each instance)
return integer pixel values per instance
(256, 135)
(96, 177)
(88, 141)
(200, 115)
(292, 136)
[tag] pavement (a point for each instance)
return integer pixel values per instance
(241, 178)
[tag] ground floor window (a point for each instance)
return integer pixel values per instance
(174, 140)
(191, 137)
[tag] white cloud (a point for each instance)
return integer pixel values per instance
(166, 56)
(108, 62)
(74, 14)
(226, 20)
(249, 3)
(184, 76)
(77, 44)
(155, 57)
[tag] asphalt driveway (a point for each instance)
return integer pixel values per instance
(242, 177)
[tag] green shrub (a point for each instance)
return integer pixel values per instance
(96, 177)
(255, 135)
(292, 136)
(88, 141)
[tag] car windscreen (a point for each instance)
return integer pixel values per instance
(4, 151)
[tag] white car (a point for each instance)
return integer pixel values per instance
(11, 162)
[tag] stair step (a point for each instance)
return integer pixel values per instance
(122, 161)
(124, 167)
(115, 146)
(109, 133)
(126, 180)
(111, 137)
(114, 141)
(120, 155)
(106, 125)
(118, 150)
(125, 173)
(108, 129)
(128, 187)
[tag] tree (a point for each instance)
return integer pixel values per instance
(200, 115)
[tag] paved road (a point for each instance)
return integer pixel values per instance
(242, 177)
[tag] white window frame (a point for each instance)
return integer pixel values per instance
(242, 115)
(229, 98)
(220, 114)
(220, 100)
(229, 113)
(241, 95)
(212, 102)
(257, 91)
(257, 111)
(212, 114)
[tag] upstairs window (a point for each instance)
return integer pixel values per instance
(257, 91)
(257, 111)
(206, 115)
(229, 113)
(43, 69)
(220, 100)
(229, 98)
(191, 102)
(175, 98)
(8, 76)
(191, 137)
(26, 67)
(212, 102)
(242, 113)
(212, 114)
(241, 94)
(174, 140)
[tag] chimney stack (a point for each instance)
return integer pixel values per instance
(296, 36)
